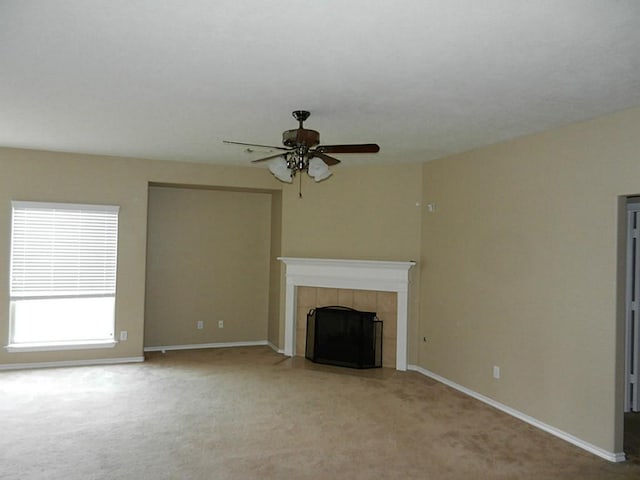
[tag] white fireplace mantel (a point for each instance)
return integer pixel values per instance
(350, 274)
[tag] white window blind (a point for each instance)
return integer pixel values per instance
(63, 250)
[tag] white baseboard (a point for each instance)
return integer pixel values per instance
(71, 363)
(113, 361)
(274, 348)
(196, 346)
(611, 456)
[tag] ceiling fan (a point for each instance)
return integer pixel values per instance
(302, 152)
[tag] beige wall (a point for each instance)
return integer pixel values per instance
(365, 213)
(275, 272)
(518, 270)
(207, 260)
(61, 177)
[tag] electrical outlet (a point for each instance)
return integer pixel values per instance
(220, 323)
(123, 336)
(496, 372)
(200, 325)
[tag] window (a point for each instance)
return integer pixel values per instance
(63, 275)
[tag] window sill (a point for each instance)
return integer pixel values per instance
(51, 346)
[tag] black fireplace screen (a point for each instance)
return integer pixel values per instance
(345, 337)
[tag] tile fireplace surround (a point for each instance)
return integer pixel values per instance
(348, 274)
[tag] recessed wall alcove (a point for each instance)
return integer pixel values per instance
(372, 275)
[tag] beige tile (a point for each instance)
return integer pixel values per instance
(389, 321)
(389, 355)
(365, 300)
(387, 301)
(307, 297)
(345, 297)
(327, 297)
(301, 317)
(301, 341)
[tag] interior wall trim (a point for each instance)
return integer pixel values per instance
(275, 348)
(567, 437)
(71, 363)
(195, 346)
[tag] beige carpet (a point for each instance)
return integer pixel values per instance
(249, 413)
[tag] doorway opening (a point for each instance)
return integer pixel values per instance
(631, 441)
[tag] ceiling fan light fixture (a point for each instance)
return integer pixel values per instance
(318, 170)
(302, 153)
(281, 170)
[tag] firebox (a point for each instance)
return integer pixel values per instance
(344, 336)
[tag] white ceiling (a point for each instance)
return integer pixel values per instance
(423, 78)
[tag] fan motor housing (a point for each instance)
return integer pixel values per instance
(300, 136)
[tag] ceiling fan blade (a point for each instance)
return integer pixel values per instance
(255, 145)
(325, 158)
(268, 158)
(353, 148)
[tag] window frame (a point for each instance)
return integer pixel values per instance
(82, 292)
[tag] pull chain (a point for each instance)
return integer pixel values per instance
(300, 186)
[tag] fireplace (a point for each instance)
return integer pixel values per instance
(344, 336)
(381, 276)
